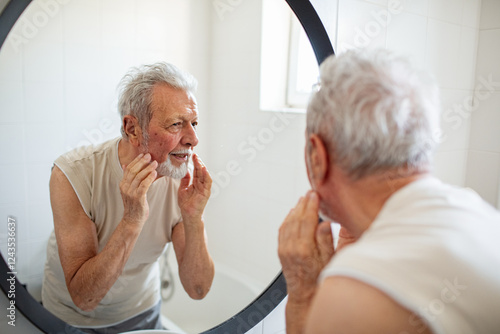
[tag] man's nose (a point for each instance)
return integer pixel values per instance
(190, 138)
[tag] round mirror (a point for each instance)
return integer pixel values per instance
(59, 67)
(455, 41)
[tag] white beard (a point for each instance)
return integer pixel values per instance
(167, 168)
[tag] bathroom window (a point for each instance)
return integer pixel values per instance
(302, 68)
(288, 64)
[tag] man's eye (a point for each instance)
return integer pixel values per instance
(194, 124)
(176, 124)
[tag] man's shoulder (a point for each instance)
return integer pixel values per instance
(343, 302)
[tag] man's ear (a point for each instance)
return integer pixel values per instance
(318, 160)
(132, 130)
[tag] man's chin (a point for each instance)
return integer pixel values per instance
(167, 169)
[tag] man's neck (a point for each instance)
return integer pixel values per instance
(361, 200)
(126, 152)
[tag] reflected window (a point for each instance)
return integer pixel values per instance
(303, 70)
(288, 65)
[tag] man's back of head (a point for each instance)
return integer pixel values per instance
(375, 113)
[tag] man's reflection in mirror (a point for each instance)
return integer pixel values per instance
(117, 205)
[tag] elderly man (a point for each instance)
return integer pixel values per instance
(116, 206)
(414, 255)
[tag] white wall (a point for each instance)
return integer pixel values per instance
(483, 168)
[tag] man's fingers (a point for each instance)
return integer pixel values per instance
(201, 173)
(144, 175)
(143, 187)
(197, 174)
(324, 240)
(136, 166)
(185, 181)
(290, 226)
(136, 172)
(309, 215)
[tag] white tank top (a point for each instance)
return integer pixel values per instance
(95, 174)
(435, 250)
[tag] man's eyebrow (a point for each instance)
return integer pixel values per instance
(176, 118)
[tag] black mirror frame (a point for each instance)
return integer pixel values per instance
(257, 310)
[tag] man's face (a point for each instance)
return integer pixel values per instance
(172, 130)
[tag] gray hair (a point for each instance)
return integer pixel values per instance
(136, 90)
(375, 112)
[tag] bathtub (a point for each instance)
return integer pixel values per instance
(230, 293)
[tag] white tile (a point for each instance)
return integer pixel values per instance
(43, 101)
(466, 70)
(37, 180)
(44, 18)
(83, 101)
(90, 132)
(488, 54)
(490, 14)
(12, 135)
(148, 56)
(118, 23)
(40, 22)
(378, 2)
(455, 119)
(43, 142)
(485, 126)
(483, 174)
(159, 22)
(11, 60)
(471, 13)
(81, 22)
(450, 166)
(443, 45)
(11, 102)
(446, 10)
(43, 61)
(38, 254)
(361, 25)
(12, 183)
(39, 219)
(419, 7)
(407, 35)
(116, 62)
(82, 63)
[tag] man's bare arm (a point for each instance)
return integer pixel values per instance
(304, 249)
(196, 268)
(345, 305)
(89, 275)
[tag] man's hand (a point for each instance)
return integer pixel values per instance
(194, 197)
(304, 248)
(137, 178)
(196, 268)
